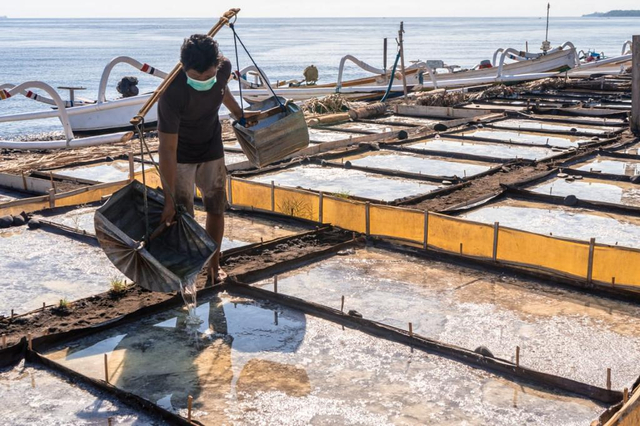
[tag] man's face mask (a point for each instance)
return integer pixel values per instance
(201, 85)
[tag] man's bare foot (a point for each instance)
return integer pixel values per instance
(220, 276)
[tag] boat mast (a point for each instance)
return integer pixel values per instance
(546, 46)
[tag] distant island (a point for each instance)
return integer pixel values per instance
(615, 14)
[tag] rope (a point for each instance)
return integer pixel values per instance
(393, 74)
(165, 188)
(264, 78)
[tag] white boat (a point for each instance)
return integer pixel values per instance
(421, 75)
(113, 116)
(613, 65)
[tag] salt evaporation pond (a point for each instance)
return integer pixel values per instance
(239, 230)
(560, 221)
(229, 158)
(38, 266)
(347, 182)
(526, 138)
(610, 165)
(359, 126)
(32, 395)
(543, 125)
(319, 135)
(593, 190)
(502, 151)
(554, 327)
(403, 119)
(7, 195)
(419, 164)
(113, 171)
(253, 362)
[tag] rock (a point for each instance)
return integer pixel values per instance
(446, 182)
(19, 220)
(402, 134)
(323, 163)
(355, 313)
(34, 224)
(577, 177)
(483, 350)
(573, 130)
(563, 175)
(347, 164)
(635, 179)
(375, 146)
(570, 200)
(5, 222)
(346, 252)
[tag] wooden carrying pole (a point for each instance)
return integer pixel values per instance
(224, 20)
(635, 87)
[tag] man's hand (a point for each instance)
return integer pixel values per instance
(168, 214)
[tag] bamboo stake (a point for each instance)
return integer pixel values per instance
(275, 284)
(404, 76)
(4, 341)
(30, 341)
(132, 174)
(411, 329)
(342, 305)
(625, 395)
(224, 20)
(106, 369)
(189, 407)
(517, 356)
(608, 378)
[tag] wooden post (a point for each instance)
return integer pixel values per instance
(425, 244)
(460, 248)
(608, 379)
(275, 284)
(275, 317)
(52, 198)
(30, 340)
(384, 55)
(106, 369)
(53, 184)
(496, 230)
(132, 174)
(635, 86)
(4, 341)
(404, 77)
(517, 356)
(625, 395)
(320, 207)
(43, 306)
(229, 193)
(367, 218)
(24, 182)
(12, 314)
(613, 281)
(189, 407)
(592, 246)
(273, 196)
(410, 329)
(342, 305)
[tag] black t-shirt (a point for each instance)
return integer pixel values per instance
(193, 115)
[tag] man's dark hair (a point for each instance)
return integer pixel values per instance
(199, 52)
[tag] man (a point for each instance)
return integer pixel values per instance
(191, 151)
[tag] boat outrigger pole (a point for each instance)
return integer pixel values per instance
(224, 20)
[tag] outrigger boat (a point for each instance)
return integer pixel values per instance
(100, 116)
(597, 63)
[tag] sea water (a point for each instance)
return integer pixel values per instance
(74, 52)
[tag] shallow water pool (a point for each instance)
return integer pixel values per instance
(487, 149)
(593, 190)
(252, 362)
(470, 308)
(561, 221)
(347, 182)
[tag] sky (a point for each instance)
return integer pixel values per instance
(304, 8)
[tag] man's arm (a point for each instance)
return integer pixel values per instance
(234, 109)
(168, 165)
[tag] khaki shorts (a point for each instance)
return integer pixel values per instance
(210, 178)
